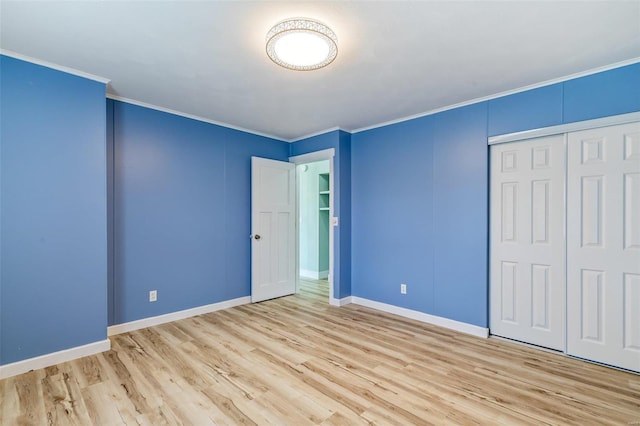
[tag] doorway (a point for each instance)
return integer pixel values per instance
(321, 280)
(314, 206)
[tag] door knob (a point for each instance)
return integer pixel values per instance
(257, 236)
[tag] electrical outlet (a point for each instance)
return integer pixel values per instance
(153, 295)
(403, 289)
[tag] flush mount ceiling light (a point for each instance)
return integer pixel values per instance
(302, 44)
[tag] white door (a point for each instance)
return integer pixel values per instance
(527, 282)
(603, 245)
(273, 238)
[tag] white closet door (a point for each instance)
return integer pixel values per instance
(603, 245)
(527, 241)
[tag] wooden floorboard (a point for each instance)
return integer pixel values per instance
(296, 360)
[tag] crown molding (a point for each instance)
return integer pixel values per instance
(318, 133)
(104, 80)
(191, 116)
(53, 66)
(502, 94)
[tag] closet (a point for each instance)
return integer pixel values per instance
(565, 243)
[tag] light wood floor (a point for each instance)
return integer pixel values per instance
(297, 360)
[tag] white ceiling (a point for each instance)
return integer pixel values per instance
(395, 59)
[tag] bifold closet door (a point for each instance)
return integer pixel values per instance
(603, 245)
(527, 289)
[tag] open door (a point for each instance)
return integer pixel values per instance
(273, 224)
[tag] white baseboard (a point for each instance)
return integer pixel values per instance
(174, 316)
(307, 273)
(47, 360)
(314, 275)
(462, 327)
(340, 302)
(54, 358)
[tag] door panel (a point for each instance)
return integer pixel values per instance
(273, 229)
(631, 203)
(540, 296)
(527, 244)
(603, 245)
(632, 311)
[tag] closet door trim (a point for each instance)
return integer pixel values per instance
(566, 128)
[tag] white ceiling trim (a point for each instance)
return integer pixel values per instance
(53, 66)
(104, 80)
(502, 94)
(430, 56)
(193, 117)
(219, 123)
(318, 133)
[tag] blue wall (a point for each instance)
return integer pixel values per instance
(412, 200)
(460, 214)
(420, 214)
(392, 214)
(603, 94)
(532, 109)
(420, 192)
(340, 141)
(181, 211)
(53, 278)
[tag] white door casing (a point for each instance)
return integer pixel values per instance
(527, 266)
(273, 234)
(325, 154)
(603, 245)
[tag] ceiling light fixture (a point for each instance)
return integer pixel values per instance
(302, 44)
